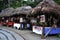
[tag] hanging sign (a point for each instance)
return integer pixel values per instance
(42, 19)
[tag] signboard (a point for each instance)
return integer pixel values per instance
(17, 25)
(42, 19)
(37, 29)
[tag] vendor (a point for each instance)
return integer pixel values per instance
(12, 19)
(53, 22)
(38, 18)
(39, 23)
(28, 26)
(3, 18)
(21, 22)
(21, 19)
(33, 21)
(17, 19)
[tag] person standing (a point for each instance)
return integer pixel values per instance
(21, 22)
(38, 20)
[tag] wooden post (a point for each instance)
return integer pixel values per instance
(42, 36)
(43, 24)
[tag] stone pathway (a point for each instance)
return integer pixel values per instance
(29, 35)
(6, 34)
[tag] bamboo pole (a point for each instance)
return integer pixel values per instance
(42, 36)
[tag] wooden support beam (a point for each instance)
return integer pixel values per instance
(42, 36)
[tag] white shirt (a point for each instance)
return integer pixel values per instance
(21, 19)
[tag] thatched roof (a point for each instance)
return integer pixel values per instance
(6, 12)
(20, 10)
(23, 10)
(47, 6)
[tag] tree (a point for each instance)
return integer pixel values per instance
(57, 1)
(3, 4)
(16, 4)
(32, 4)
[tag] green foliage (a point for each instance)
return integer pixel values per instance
(15, 4)
(20, 3)
(57, 1)
(3, 4)
(33, 4)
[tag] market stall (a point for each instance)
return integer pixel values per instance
(49, 17)
(17, 16)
